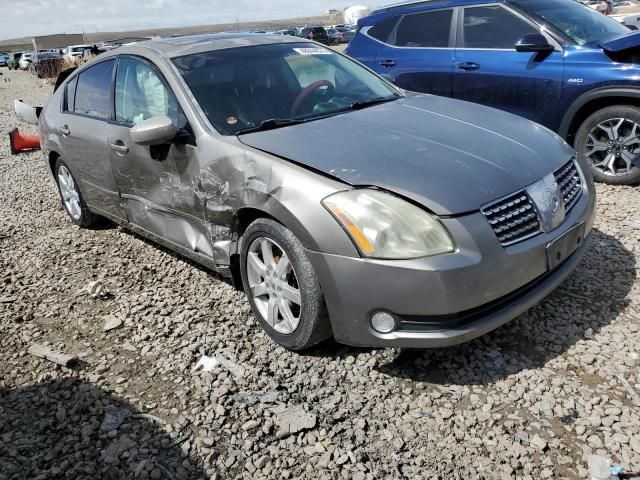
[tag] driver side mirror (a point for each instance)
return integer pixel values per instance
(153, 131)
(533, 42)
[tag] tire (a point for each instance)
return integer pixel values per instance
(73, 203)
(596, 145)
(262, 289)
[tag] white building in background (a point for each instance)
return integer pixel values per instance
(355, 13)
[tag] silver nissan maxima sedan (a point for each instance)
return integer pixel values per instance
(340, 204)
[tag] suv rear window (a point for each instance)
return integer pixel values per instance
(382, 30)
(428, 29)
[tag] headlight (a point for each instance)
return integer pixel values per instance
(385, 226)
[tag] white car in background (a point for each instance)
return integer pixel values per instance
(25, 60)
(75, 52)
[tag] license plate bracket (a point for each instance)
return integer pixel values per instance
(562, 247)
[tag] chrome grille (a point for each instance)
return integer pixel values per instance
(512, 218)
(568, 179)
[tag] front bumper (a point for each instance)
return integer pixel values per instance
(447, 299)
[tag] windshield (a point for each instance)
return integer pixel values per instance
(579, 22)
(240, 88)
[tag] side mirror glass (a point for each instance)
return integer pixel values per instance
(153, 131)
(533, 42)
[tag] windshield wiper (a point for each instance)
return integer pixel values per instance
(372, 101)
(270, 124)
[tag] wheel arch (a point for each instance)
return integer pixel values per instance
(591, 102)
(52, 159)
(276, 212)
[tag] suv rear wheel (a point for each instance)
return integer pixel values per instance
(609, 140)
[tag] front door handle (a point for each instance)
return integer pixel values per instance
(119, 147)
(468, 66)
(388, 63)
(64, 130)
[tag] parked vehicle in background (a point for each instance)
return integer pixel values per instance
(335, 37)
(347, 35)
(25, 60)
(602, 7)
(378, 217)
(13, 61)
(74, 53)
(556, 62)
(318, 34)
(3, 60)
(46, 64)
(632, 21)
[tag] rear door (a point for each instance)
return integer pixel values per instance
(86, 111)
(489, 70)
(418, 55)
(160, 184)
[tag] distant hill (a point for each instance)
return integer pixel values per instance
(96, 37)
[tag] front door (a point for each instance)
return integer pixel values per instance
(418, 55)
(489, 70)
(158, 184)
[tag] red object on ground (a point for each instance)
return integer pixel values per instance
(22, 142)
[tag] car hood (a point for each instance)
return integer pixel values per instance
(451, 156)
(620, 43)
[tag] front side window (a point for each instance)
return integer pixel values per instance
(582, 24)
(428, 29)
(93, 93)
(240, 88)
(141, 94)
(493, 27)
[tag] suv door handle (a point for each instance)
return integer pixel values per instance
(119, 147)
(468, 66)
(388, 63)
(64, 130)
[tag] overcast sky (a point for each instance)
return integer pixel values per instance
(22, 18)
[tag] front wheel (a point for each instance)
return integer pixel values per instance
(282, 286)
(609, 141)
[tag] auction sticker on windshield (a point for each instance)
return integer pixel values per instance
(312, 51)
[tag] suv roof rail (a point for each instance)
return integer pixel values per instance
(405, 3)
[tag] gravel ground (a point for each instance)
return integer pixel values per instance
(530, 400)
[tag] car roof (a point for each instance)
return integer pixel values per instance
(179, 46)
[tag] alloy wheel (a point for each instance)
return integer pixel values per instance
(70, 195)
(274, 285)
(612, 146)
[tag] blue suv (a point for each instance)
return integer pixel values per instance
(556, 62)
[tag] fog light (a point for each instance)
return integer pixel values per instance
(383, 322)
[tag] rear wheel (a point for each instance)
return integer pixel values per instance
(71, 197)
(609, 140)
(282, 287)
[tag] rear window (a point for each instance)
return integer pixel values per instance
(382, 30)
(428, 29)
(93, 93)
(70, 95)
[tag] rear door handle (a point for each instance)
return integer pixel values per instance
(119, 147)
(388, 63)
(64, 130)
(468, 66)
